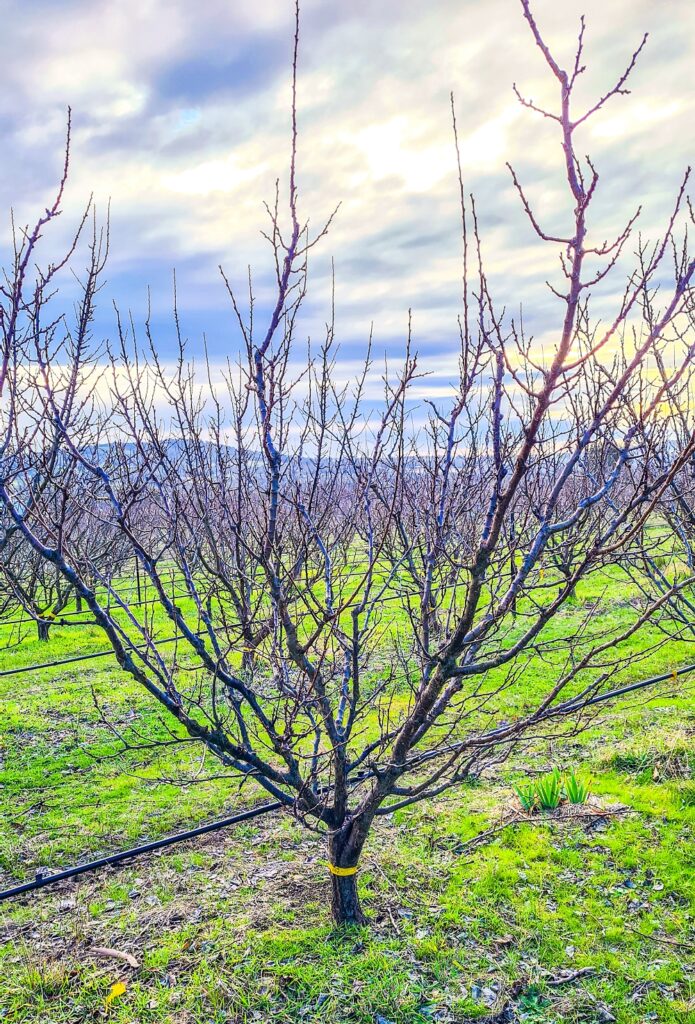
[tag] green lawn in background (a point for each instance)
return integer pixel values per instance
(236, 927)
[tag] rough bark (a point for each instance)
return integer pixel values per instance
(345, 901)
(344, 852)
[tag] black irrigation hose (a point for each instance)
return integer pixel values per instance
(43, 880)
(88, 657)
(181, 636)
(59, 619)
(102, 654)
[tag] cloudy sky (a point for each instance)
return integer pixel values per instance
(181, 116)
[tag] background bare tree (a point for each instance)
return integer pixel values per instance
(34, 590)
(359, 592)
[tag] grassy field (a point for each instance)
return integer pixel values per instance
(555, 919)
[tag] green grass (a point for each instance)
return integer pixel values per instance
(235, 927)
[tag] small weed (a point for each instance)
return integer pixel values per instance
(577, 792)
(548, 792)
(527, 796)
(532, 1001)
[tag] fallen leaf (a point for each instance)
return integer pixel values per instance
(117, 989)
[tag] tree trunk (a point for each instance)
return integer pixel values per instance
(78, 602)
(43, 628)
(345, 901)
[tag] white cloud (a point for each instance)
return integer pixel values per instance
(187, 171)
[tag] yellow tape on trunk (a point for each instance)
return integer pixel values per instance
(341, 872)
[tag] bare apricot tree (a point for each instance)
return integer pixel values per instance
(361, 598)
(34, 591)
